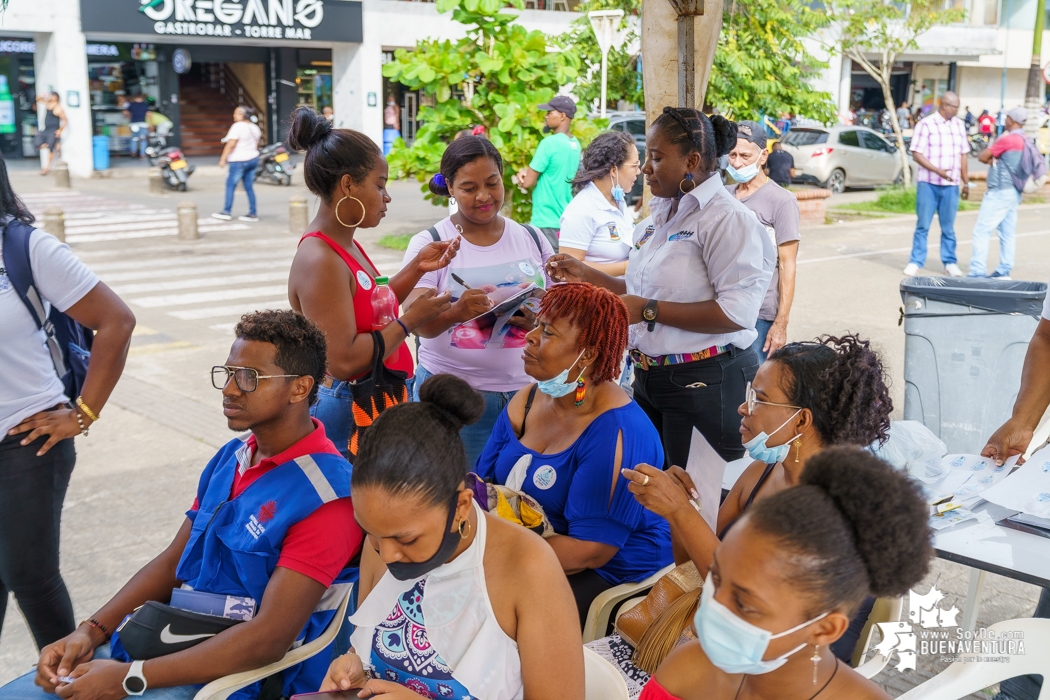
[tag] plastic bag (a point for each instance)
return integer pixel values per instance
(914, 448)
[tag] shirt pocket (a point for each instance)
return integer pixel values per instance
(671, 266)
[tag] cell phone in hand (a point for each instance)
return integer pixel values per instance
(328, 695)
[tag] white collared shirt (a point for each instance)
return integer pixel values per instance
(590, 223)
(711, 248)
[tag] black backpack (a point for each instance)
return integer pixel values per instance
(68, 341)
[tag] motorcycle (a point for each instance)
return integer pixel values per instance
(275, 165)
(173, 166)
(978, 142)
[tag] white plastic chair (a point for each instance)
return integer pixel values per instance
(224, 687)
(602, 680)
(602, 606)
(967, 676)
(884, 610)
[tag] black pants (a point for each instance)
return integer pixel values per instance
(586, 586)
(1027, 687)
(675, 407)
(32, 490)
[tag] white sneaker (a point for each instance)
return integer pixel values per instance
(249, 218)
(953, 270)
(911, 270)
(221, 216)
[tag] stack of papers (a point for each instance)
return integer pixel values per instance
(964, 483)
(1026, 490)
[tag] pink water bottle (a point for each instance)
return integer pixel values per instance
(384, 304)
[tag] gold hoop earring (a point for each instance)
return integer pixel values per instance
(464, 528)
(346, 197)
(692, 185)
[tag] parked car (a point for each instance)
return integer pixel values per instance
(632, 123)
(843, 156)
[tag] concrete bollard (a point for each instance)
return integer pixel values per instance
(298, 215)
(156, 181)
(188, 221)
(55, 222)
(61, 171)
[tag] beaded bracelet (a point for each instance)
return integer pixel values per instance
(403, 326)
(80, 422)
(92, 622)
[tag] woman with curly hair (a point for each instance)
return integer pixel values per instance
(596, 227)
(787, 579)
(564, 440)
(805, 398)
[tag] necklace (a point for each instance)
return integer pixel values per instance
(811, 697)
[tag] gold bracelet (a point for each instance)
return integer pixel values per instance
(86, 409)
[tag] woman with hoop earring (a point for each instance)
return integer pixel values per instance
(694, 285)
(332, 278)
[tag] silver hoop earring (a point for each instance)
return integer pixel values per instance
(341, 223)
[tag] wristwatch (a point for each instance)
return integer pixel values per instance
(135, 683)
(649, 314)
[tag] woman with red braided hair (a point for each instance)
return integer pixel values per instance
(564, 439)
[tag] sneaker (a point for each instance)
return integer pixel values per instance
(222, 216)
(251, 218)
(953, 270)
(1000, 275)
(912, 269)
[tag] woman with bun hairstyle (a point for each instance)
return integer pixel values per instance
(497, 258)
(454, 602)
(805, 398)
(788, 578)
(332, 278)
(694, 285)
(596, 227)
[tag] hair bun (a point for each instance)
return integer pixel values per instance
(885, 510)
(439, 185)
(454, 398)
(308, 129)
(725, 134)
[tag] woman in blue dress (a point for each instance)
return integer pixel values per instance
(564, 440)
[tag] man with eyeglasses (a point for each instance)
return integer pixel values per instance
(272, 521)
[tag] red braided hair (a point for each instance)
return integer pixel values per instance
(602, 319)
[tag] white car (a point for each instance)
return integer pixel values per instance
(842, 156)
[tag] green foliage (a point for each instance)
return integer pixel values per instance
(897, 200)
(624, 79)
(762, 66)
(495, 76)
(396, 241)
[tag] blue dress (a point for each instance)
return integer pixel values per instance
(574, 487)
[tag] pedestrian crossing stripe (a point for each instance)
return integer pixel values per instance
(232, 310)
(193, 267)
(211, 281)
(153, 302)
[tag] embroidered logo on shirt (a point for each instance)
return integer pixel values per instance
(545, 477)
(254, 527)
(649, 231)
(364, 280)
(680, 236)
(267, 511)
(614, 233)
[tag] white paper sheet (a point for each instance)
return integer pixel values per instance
(968, 477)
(706, 468)
(1027, 489)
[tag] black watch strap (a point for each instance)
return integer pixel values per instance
(649, 314)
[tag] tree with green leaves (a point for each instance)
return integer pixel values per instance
(625, 78)
(495, 76)
(874, 34)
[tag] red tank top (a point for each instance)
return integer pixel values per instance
(655, 691)
(400, 359)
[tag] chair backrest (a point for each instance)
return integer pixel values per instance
(603, 681)
(970, 676)
(884, 610)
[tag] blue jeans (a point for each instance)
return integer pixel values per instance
(476, 436)
(139, 138)
(23, 688)
(944, 200)
(332, 408)
(243, 171)
(998, 211)
(762, 326)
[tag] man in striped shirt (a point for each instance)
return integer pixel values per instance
(939, 147)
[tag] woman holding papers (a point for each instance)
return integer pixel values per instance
(498, 259)
(564, 440)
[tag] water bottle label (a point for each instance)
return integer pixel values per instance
(364, 280)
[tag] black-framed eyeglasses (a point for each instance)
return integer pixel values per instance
(247, 378)
(751, 400)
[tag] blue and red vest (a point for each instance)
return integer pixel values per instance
(235, 544)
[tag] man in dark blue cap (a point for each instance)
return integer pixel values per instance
(552, 168)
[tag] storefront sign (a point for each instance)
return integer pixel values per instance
(180, 61)
(225, 20)
(18, 46)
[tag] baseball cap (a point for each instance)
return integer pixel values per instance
(1018, 114)
(561, 103)
(751, 131)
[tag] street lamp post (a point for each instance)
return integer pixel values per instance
(606, 26)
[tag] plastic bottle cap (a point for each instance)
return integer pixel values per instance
(382, 280)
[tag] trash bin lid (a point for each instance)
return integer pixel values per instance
(998, 296)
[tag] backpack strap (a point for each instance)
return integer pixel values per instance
(535, 238)
(17, 263)
(434, 234)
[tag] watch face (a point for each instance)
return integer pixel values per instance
(649, 314)
(134, 684)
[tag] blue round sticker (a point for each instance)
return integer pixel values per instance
(545, 477)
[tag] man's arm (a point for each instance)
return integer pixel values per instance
(777, 337)
(527, 177)
(1032, 400)
(925, 162)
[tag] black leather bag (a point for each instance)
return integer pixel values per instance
(157, 629)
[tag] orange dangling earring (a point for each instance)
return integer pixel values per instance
(581, 391)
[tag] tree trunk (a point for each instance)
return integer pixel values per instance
(884, 83)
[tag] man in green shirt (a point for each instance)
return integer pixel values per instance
(552, 169)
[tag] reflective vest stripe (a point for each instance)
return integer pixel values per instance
(317, 478)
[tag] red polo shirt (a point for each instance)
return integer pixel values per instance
(321, 544)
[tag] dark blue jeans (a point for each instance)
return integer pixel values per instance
(944, 200)
(243, 171)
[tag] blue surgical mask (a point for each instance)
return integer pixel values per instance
(735, 645)
(617, 191)
(745, 174)
(560, 385)
(756, 446)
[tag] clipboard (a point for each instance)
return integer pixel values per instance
(530, 296)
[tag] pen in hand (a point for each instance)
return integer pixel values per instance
(460, 281)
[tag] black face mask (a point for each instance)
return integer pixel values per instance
(409, 570)
(546, 129)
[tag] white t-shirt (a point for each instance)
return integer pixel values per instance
(247, 146)
(590, 223)
(1046, 305)
(28, 382)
